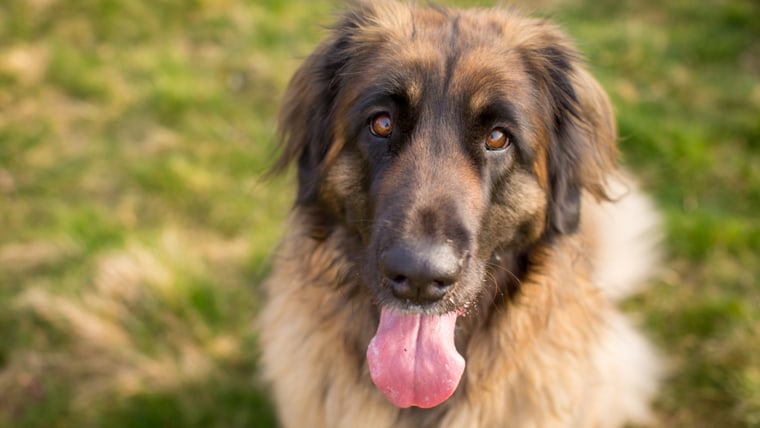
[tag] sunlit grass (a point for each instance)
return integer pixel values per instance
(135, 222)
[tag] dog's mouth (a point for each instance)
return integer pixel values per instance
(423, 273)
(412, 358)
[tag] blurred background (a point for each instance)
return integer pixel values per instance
(135, 222)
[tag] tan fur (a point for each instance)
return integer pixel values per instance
(558, 354)
(562, 356)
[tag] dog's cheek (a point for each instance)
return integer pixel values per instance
(516, 215)
(344, 193)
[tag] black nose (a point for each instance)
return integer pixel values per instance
(421, 273)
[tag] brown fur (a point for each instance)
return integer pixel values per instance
(544, 344)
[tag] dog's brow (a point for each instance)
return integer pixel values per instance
(403, 83)
(485, 89)
(499, 106)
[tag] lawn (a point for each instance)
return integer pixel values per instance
(136, 222)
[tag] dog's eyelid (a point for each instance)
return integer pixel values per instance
(501, 113)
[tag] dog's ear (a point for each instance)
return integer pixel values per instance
(308, 108)
(582, 148)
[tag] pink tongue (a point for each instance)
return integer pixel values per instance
(412, 358)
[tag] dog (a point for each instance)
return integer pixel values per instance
(460, 235)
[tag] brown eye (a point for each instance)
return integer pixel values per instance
(381, 125)
(497, 139)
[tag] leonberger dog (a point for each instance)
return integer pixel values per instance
(460, 234)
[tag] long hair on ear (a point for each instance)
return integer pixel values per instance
(582, 149)
(306, 118)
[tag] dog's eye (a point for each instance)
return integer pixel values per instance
(497, 139)
(381, 125)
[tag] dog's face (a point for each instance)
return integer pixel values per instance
(444, 140)
(440, 137)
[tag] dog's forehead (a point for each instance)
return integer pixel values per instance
(471, 52)
(412, 22)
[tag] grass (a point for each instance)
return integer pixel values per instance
(136, 223)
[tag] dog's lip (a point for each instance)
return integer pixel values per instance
(446, 305)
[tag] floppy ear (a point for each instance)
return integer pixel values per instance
(582, 151)
(306, 116)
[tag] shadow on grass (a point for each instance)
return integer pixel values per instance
(212, 404)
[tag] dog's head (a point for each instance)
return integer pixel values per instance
(442, 139)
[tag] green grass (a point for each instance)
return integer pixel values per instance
(135, 222)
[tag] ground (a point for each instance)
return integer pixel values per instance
(136, 221)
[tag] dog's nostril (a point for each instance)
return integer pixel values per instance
(423, 273)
